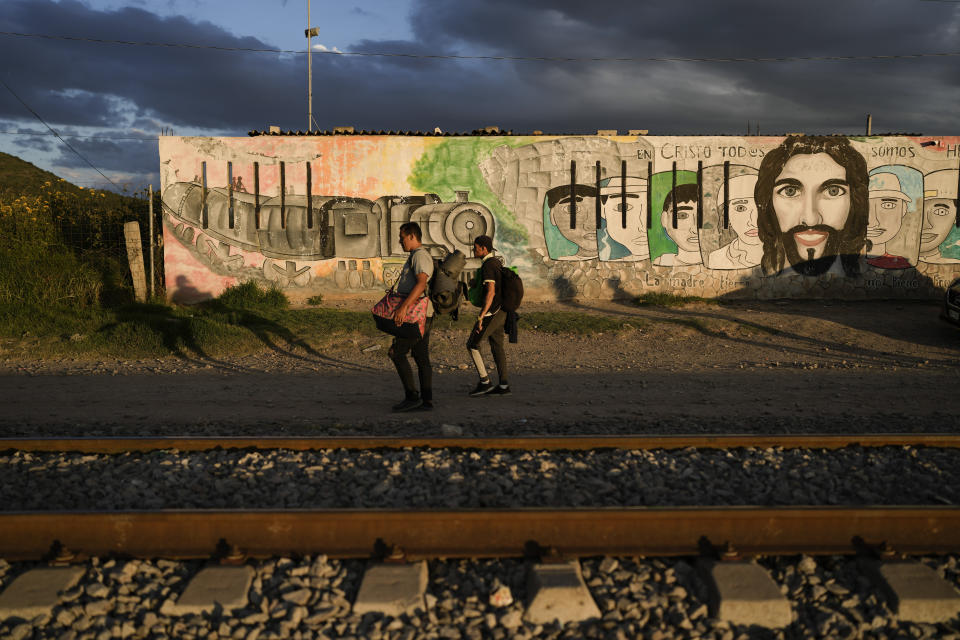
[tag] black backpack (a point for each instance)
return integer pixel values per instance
(511, 289)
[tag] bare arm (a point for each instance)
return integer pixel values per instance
(412, 297)
(487, 303)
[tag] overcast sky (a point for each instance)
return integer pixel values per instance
(102, 93)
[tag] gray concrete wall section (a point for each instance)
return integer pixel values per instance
(392, 589)
(37, 592)
(557, 592)
(744, 593)
(580, 216)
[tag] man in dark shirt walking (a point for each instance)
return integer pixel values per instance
(490, 323)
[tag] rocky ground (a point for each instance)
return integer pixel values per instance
(811, 367)
(475, 479)
(745, 367)
(309, 597)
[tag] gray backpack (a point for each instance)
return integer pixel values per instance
(445, 287)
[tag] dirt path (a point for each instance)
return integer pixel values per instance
(750, 367)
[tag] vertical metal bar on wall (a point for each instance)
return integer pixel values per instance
(957, 201)
(230, 194)
(150, 214)
(204, 215)
(726, 194)
(649, 195)
(673, 197)
(309, 198)
(573, 194)
(283, 195)
(623, 194)
(256, 194)
(597, 199)
(700, 194)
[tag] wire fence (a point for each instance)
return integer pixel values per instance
(68, 247)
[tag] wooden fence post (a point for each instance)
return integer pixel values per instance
(131, 232)
(152, 251)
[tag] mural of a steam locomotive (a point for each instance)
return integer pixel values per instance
(291, 229)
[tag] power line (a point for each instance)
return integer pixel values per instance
(944, 54)
(41, 133)
(67, 144)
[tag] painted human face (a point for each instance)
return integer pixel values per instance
(633, 236)
(685, 235)
(743, 220)
(939, 217)
(886, 217)
(811, 197)
(584, 234)
(742, 209)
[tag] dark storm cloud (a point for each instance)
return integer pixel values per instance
(85, 84)
(905, 94)
(125, 156)
(26, 137)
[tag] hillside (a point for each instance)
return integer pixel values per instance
(21, 178)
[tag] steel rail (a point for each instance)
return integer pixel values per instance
(584, 442)
(481, 533)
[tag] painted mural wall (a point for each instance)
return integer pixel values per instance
(580, 216)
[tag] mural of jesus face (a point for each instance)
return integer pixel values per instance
(811, 199)
(812, 205)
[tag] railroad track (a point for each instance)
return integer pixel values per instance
(480, 532)
(255, 538)
(418, 534)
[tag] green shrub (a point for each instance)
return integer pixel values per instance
(250, 295)
(315, 301)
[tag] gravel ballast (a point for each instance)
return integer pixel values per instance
(311, 596)
(465, 478)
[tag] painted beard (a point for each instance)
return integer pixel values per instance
(808, 265)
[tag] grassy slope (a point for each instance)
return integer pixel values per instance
(21, 178)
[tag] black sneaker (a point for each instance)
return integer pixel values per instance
(408, 405)
(482, 389)
(501, 390)
(427, 405)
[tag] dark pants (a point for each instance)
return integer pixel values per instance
(493, 332)
(420, 348)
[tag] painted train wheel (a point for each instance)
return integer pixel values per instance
(465, 224)
(216, 253)
(185, 233)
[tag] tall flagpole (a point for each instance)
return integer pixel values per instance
(309, 73)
